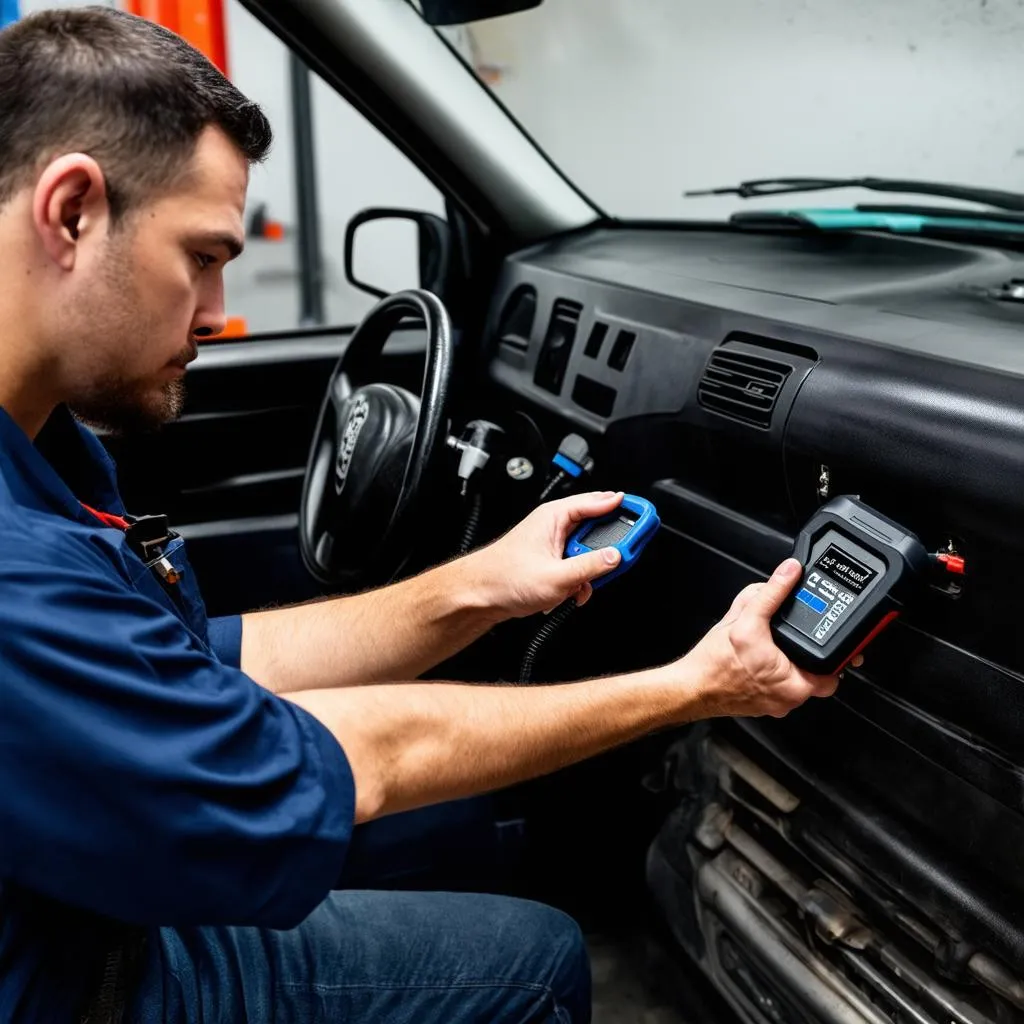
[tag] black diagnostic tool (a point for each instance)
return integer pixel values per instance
(859, 570)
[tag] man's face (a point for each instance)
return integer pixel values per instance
(143, 293)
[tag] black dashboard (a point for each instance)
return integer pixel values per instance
(740, 379)
(762, 372)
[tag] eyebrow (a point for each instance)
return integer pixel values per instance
(231, 242)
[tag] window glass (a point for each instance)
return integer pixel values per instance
(355, 166)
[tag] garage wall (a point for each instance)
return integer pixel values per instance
(31, 6)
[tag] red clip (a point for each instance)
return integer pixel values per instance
(108, 518)
(953, 563)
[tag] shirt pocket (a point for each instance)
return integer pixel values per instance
(183, 597)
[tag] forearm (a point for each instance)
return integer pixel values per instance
(413, 744)
(396, 632)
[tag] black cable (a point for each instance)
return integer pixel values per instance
(556, 481)
(551, 626)
(472, 524)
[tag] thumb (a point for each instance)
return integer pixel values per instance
(768, 600)
(583, 568)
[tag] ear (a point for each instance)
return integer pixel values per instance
(69, 204)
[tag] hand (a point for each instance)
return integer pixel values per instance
(525, 571)
(740, 670)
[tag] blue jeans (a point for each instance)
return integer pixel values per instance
(377, 957)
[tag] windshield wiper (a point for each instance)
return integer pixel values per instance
(781, 186)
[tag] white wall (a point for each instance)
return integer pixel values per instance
(639, 99)
(32, 6)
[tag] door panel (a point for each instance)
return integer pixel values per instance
(229, 472)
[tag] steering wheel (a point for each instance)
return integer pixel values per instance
(371, 450)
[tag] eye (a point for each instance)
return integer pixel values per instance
(204, 260)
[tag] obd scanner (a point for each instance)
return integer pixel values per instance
(860, 569)
(629, 528)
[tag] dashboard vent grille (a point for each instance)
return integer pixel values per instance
(568, 311)
(741, 386)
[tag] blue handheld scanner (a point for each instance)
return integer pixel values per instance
(629, 528)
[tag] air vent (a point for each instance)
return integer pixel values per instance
(516, 322)
(742, 386)
(554, 354)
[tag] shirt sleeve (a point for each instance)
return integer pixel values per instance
(225, 635)
(144, 779)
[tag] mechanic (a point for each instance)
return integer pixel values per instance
(178, 795)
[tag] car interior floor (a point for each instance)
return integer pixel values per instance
(639, 979)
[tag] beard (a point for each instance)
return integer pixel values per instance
(121, 407)
(113, 400)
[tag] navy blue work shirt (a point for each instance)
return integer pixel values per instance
(144, 778)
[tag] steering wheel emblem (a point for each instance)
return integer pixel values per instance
(357, 418)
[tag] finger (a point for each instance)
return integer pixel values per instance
(584, 594)
(588, 506)
(857, 662)
(827, 686)
(768, 600)
(580, 569)
(812, 679)
(818, 686)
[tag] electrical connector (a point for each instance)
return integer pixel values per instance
(571, 461)
(480, 438)
(951, 563)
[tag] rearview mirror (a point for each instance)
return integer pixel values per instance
(403, 243)
(457, 12)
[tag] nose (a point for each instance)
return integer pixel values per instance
(210, 317)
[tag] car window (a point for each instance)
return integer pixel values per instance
(354, 167)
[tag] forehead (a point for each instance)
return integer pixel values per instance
(214, 184)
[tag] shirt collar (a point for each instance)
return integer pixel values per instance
(66, 466)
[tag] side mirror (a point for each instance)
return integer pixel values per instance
(403, 242)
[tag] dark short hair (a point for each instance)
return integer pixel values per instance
(131, 94)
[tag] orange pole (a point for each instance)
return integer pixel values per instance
(201, 22)
(163, 12)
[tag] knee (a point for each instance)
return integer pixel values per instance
(567, 963)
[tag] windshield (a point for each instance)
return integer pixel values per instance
(638, 101)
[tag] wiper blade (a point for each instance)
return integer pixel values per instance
(893, 219)
(781, 186)
(942, 212)
(980, 228)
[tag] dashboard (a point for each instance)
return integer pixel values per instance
(766, 373)
(741, 379)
